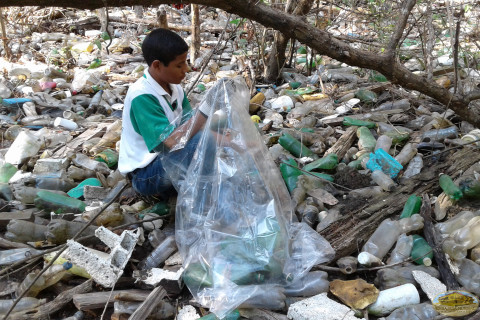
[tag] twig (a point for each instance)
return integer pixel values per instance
(401, 23)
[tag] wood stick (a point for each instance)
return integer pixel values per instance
(342, 145)
(149, 304)
(97, 300)
(435, 242)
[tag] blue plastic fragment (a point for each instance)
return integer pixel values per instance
(381, 160)
(15, 102)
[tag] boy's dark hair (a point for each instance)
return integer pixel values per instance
(163, 45)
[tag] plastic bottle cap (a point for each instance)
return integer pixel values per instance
(67, 265)
(427, 262)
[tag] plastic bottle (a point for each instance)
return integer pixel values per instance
(456, 222)
(403, 104)
(366, 141)
(79, 315)
(396, 276)
(328, 162)
(25, 231)
(384, 142)
(469, 275)
(440, 134)
(411, 207)
(406, 154)
(402, 249)
(27, 195)
(421, 253)
(475, 254)
(290, 174)
(58, 203)
(155, 237)
(26, 145)
(387, 233)
(52, 183)
(295, 147)
(109, 139)
(347, 265)
(77, 192)
(394, 298)
(197, 275)
(383, 180)
(348, 155)
(6, 172)
(349, 121)
(94, 103)
(449, 187)
(422, 311)
(233, 315)
(109, 156)
(369, 260)
(26, 303)
(414, 166)
(463, 239)
(54, 274)
(159, 254)
(367, 192)
(14, 255)
(77, 174)
(470, 187)
(84, 161)
(311, 284)
(366, 96)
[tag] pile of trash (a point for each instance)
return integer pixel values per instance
(336, 203)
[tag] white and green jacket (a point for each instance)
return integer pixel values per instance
(150, 115)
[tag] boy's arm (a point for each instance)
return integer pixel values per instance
(195, 123)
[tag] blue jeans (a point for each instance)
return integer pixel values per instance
(154, 180)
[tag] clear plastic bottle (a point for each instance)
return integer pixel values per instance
(456, 222)
(159, 254)
(407, 153)
(440, 134)
(79, 315)
(393, 277)
(25, 231)
(422, 311)
(387, 233)
(383, 180)
(475, 254)
(414, 166)
(311, 284)
(94, 103)
(84, 161)
(14, 255)
(367, 192)
(52, 183)
(111, 136)
(155, 237)
(384, 142)
(469, 275)
(463, 239)
(402, 249)
(54, 274)
(26, 145)
(25, 303)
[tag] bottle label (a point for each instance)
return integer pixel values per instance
(455, 303)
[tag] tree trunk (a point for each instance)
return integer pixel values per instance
(195, 46)
(324, 43)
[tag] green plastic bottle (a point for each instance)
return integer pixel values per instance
(290, 174)
(397, 137)
(160, 208)
(470, 187)
(77, 192)
(449, 187)
(349, 121)
(366, 141)
(295, 147)
(196, 276)
(58, 203)
(234, 315)
(330, 161)
(366, 96)
(357, 164)
(323, 176)
(421, 253)
(411, 207)
(6, 172)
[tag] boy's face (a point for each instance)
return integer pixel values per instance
(174, 72)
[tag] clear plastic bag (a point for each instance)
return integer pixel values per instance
(234, 215)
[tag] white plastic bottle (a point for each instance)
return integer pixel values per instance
(383, 180)
(391, 299)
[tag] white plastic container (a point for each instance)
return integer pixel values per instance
(394, 298)
(282, 104)
(26, 145)
(65, 123)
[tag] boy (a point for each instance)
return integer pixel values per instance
(157, 116)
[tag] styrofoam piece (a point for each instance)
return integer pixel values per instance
(394, 298)
(188, 313)
(155, 275)
(105, 271)
(320, 307)
(430, 285)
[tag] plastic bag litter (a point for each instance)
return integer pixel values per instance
(234, 214)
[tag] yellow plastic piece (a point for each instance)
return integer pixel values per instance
(255, 119)
(315, 96)
(73, 270)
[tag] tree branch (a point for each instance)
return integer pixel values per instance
(407, 7)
